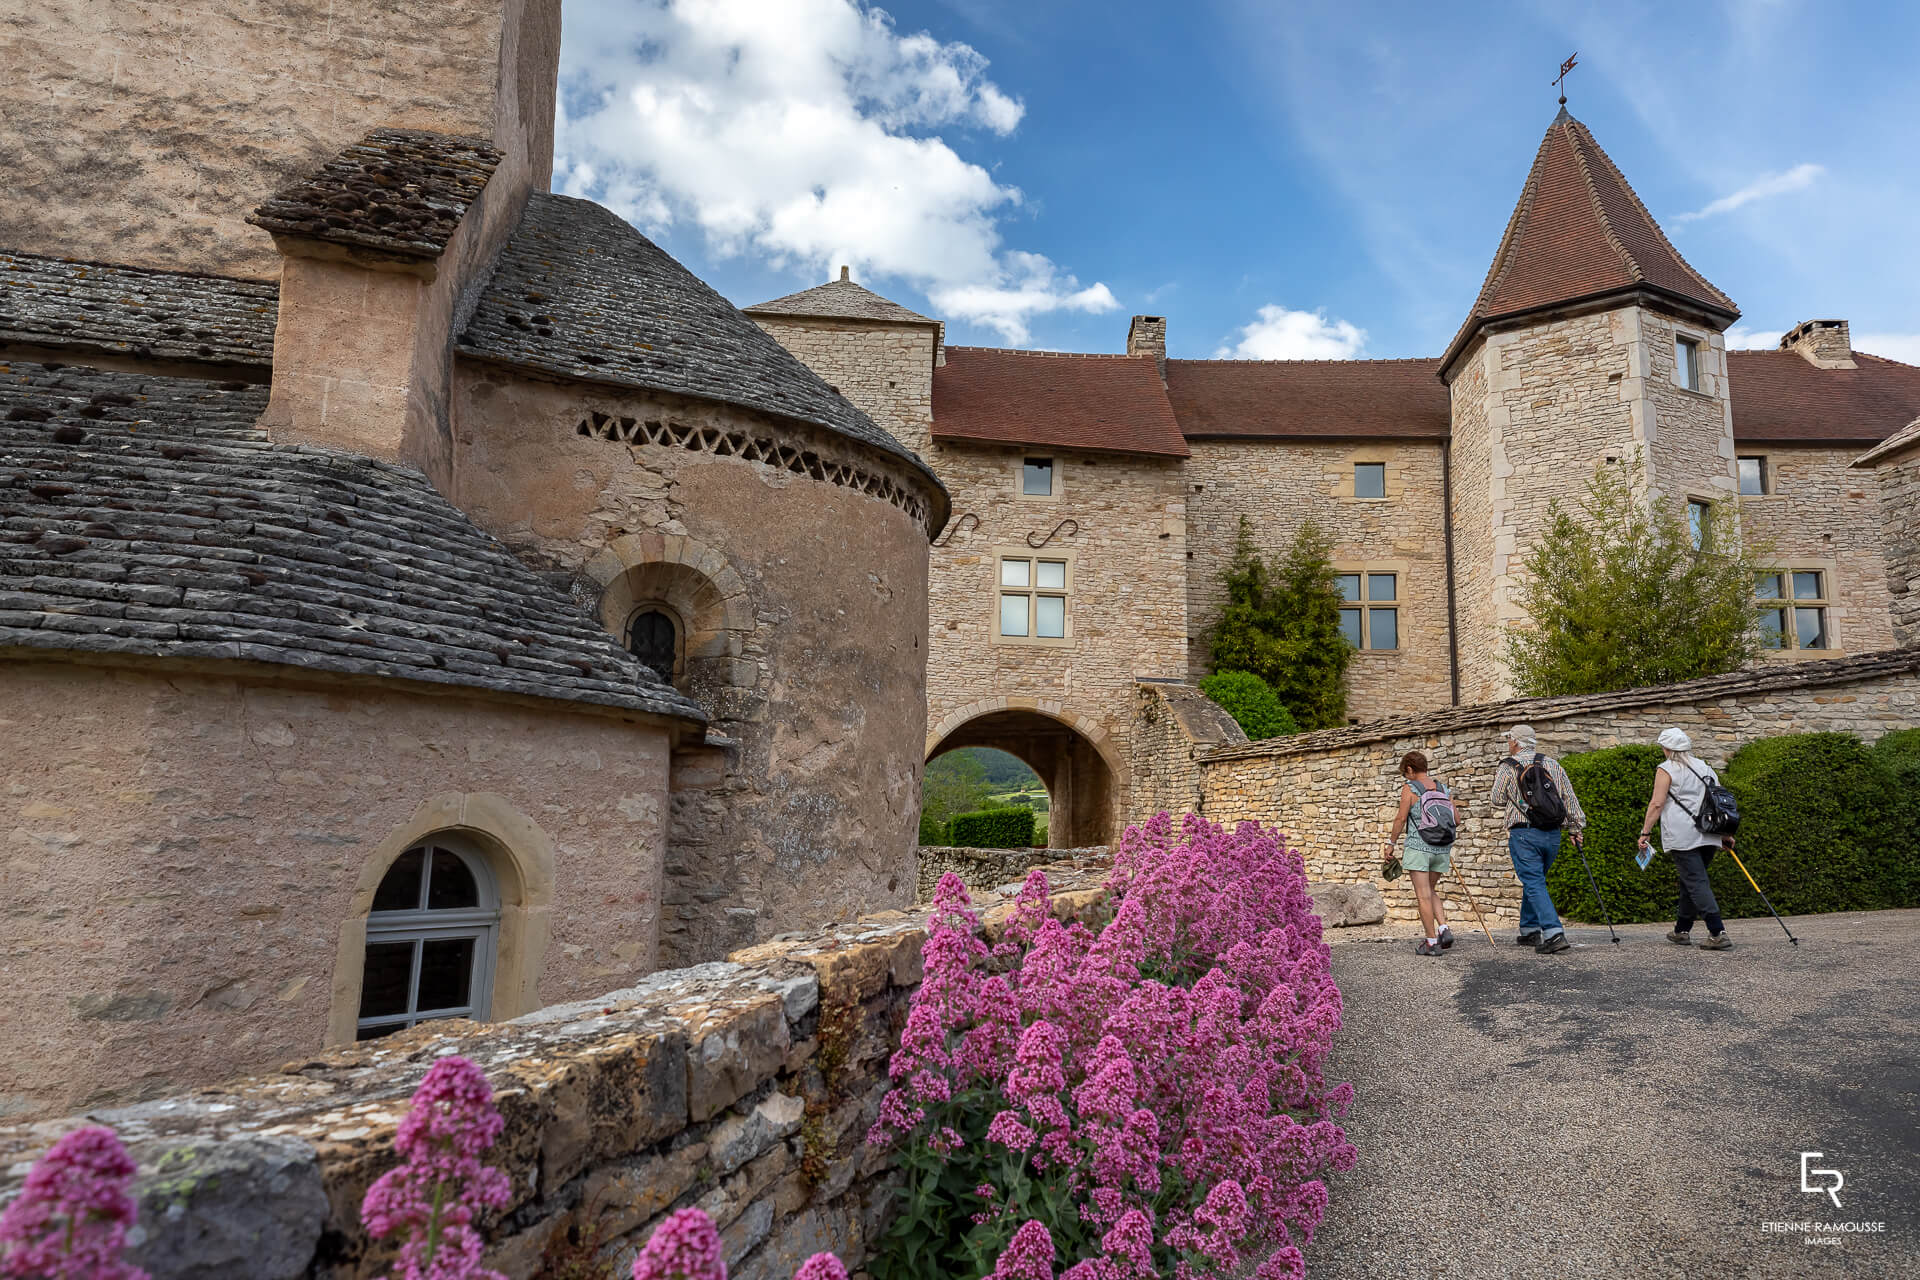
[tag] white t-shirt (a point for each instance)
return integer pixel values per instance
(1677, 827)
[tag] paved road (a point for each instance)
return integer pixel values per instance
(1629, 1111)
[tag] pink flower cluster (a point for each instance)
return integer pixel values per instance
(1156, 1089)
(70, 1220)
(435, 1195)
(686, 1246)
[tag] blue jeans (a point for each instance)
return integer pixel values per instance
(1533, 853)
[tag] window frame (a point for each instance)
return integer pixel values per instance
(1033, 591)
(1701, 539)
(422, 924)
(1790, 605)
(1696, 365)
(679, 625)
(1020, 477)
(1769, 475)
(1357, 464)
(1366, 607)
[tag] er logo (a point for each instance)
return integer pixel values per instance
(1839, 1179)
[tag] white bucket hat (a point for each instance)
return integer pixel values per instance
(1675, 739)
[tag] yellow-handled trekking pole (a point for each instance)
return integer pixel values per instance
(1756, 888)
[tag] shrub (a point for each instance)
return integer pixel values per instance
(1282, 623)
(1821, 820)
(1252, 703)
(1007, 828)
(932, 829)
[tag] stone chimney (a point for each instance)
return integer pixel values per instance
(1147, 336)
(846, 273)
(1825, 343)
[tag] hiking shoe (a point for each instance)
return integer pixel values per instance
(1554, 946)
(1717, 942)
(1680, 936)
(1446, 937)
(1531, 938)
(1428, 948)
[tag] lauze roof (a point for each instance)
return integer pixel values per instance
(1113, 404)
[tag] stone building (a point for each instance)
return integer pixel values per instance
(1592, 343)
(420, 595)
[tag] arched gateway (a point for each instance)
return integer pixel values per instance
(1074, 758)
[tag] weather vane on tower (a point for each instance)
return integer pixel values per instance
(1561, 79)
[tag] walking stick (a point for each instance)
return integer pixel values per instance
(1581, 847)
(1763, 897)
(1468, 894)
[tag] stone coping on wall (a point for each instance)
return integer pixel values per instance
(707, 1085)
(1770, 676)
(992, 869)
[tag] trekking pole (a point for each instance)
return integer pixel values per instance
(1763, 897)
(1581, 847)
(1468, 895)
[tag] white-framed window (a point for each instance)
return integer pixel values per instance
(1756, 474)
(1032, 598)
(1794, 608)
(1699, 523)
(431, 940)
(1370, 616)
(1369, 479)
(1686, 362)
(1038, 478)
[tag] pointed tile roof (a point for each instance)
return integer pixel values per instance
(840, 299)
(1580, 232)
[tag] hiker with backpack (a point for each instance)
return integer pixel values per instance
(1427, 814)
(1696, 816)
(1538, 802)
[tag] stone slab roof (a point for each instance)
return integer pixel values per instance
(148, 315)
(1768, 677)
(1113, 404)
(145, 516)
(396, 191)
(578, 293)
(1255, 399)
(1899, 442)
(1781, 396)
(840, 299)
(1579, 231)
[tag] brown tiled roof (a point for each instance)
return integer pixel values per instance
(1579, 232)
(1114, 404)
(1779, 395)
(1293, 398)
(398, 191)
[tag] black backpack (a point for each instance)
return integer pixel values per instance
(1719, 812)
(1546, 811)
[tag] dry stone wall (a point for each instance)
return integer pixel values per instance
(988, 870)
(1898, 482)
(1824, 515)
(1335, 792)
(745, 1087)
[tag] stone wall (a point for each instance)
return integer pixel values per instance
(109, 151)
(801, 611)
(1174, 727)
(1279, 484)
(1335, 792)
(1824, 515)
(885, 369)
(1897, 479)
(985, 870)
(745, 1087)
(191, 860)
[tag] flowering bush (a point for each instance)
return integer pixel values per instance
(70, 1220)
(686, 1246)
(435, 1196)
(1140, 1102)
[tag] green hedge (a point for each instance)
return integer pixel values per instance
(1822, 826)
(1252, 703)
(991, 829)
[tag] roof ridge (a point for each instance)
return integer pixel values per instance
(1522, 214)
(1434, 360)
(1634, 268)
(1641, 207)
(1058, 355)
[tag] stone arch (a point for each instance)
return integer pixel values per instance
(1074, 755)
(695, 585)
(520, 856)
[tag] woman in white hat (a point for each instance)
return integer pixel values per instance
(1678, 789)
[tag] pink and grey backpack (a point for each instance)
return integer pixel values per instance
(1434, 819)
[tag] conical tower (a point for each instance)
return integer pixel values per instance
(1592, 343)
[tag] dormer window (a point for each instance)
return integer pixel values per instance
(1686, 363)
(1036, 478)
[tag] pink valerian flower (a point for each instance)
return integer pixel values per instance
(686, 1246)
(821, 1266)
(1028, 1256)
(70, 1220)
(434, 1196)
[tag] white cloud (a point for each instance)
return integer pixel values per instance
(1798, 178)
(800, 131)
(1895, 346)
(1280, 334)
(1747, 338)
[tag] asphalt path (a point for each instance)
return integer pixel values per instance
(1631, 1110)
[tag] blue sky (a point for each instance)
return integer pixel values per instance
(1280, 180)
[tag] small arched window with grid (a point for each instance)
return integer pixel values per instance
(431, 939)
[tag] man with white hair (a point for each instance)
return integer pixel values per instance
(1532, 792)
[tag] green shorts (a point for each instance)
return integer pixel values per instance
(1418, 855)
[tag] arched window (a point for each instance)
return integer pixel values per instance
(654, 638)
(431, 938)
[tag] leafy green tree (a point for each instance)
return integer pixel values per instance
(1251, 702)
(1282, 623)
(953, 783)
(1621, 598)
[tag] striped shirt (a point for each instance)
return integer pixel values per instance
(1506, 791)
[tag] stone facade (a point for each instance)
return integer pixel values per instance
(1824, 515)
(886, 369)
(1280, 484)
(745, 1088)
(1898, 484)
(111, 152)
(191, 855)
(1334, 792)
